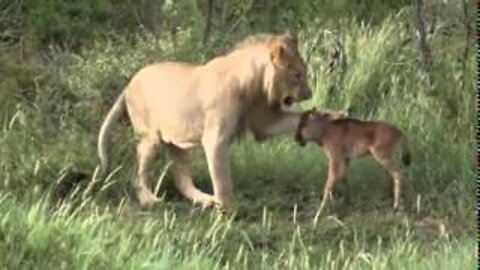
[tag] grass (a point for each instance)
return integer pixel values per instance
(125, 238)
(277, 184)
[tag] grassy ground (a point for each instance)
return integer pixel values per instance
(272, 236)
(47, 152)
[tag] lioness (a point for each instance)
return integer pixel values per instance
(344, 138)
(179, 106)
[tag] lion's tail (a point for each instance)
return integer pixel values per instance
(405, 150)
(113, 115)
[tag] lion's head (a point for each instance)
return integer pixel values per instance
(285, 80)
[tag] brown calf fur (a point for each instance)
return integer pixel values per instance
(344, 138)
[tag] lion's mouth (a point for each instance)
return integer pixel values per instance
(288, 101)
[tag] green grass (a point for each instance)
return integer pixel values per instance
(277, 184)
(126, 238)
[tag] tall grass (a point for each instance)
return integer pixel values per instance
(37, 236)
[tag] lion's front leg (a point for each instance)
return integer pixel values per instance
(283, 124)
(216, 147)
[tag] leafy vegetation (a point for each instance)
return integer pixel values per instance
(62, 64)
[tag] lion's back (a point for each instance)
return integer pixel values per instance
(161, 81)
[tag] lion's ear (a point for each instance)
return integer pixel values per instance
(277, 53)
(291, 38)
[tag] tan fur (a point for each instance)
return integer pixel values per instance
(180, 106)
(345, 138)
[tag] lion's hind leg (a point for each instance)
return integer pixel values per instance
(147, 149)
(183, 178)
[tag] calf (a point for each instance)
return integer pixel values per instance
(344, 138)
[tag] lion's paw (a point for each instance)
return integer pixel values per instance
(147, 199)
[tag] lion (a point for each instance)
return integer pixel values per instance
(179, 106)
(344, 138)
